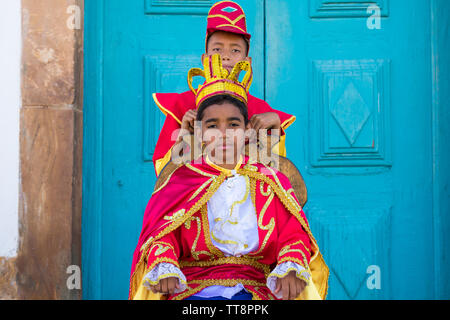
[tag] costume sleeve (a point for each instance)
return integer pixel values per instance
(293, 242)
(286, 119)
(165, 270)
(281, 270)
(162, 261)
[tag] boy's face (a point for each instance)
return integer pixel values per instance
(231, 47)
(223, 131)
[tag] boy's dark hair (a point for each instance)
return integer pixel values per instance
(245, 40)
(221, 99)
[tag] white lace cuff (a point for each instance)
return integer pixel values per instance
(165, 270)
(282, 270)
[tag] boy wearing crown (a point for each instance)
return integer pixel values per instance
(226, 35)
(225, 227)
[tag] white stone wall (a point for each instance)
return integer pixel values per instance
(10, 101)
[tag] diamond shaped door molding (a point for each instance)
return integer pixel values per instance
(349, 113)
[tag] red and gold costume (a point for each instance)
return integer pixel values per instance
(176, 230)
(225, 16)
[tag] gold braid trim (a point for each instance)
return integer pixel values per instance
(202, 201)
(298, 275)
(289, 203)
(255, 294)
(271, 225)
(195, 253)
(211, 282)
(162, 259)
(161, 248)
(292, 259)
(290, 197)
(228, 260)
(165, 182)
(200, 172)
(287, 248)
(164, 276)
(203, 186)
(211, 247)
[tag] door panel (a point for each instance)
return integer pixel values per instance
(362, 136)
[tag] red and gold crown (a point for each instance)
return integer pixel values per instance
(218, 81)
(227, 16)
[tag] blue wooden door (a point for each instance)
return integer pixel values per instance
(359, 89)
(133, 49)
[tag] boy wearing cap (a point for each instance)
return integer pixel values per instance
(226, 35)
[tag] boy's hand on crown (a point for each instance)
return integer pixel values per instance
(188, 120)
(266, 120)
(290, 286)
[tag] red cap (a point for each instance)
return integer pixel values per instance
(227, 16)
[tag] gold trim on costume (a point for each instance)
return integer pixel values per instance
(203, 186)
(268, 227)
(286, 248)
(296, 260)
(167, 179)
(264, 193)
(222, 169)
(221, 282)
(244, 260)
(279, 148)
(255, 294)
(289, 203)
(299, 275)
(164, 276)
(233, 22)
(223, 241)
(163, 259)
(161, 249)
(211, 247)
(247, 189)
(288, 195)
(187, 225)
(231, 25)
(161, 163)
(211, 190)
(164, 110)
(178, 214)
(197, 170)
(286, 123)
